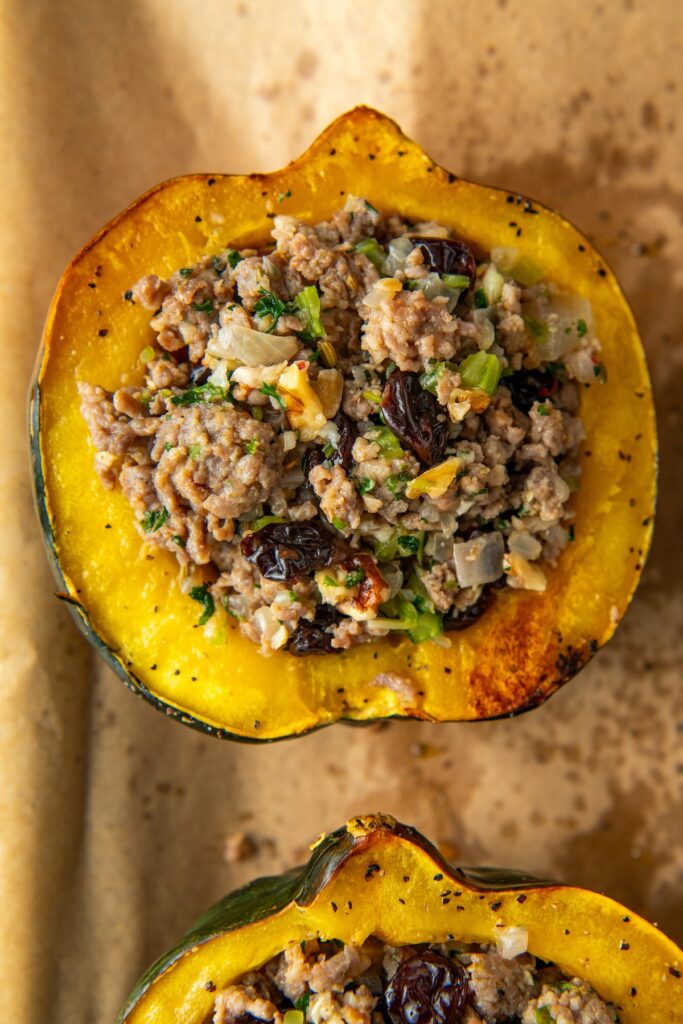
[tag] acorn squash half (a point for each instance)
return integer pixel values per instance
(378, 877)
(127, 601)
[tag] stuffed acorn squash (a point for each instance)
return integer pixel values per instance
(417, 434)
(378, 921)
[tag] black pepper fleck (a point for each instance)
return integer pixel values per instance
(103, 332)
(198, 219)
(211, 181)
(521, 898)
(624, 945)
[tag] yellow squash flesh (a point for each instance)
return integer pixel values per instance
(412, 895)
(125, 594)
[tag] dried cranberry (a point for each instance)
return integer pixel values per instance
(199, 374)
(287, 551)
(415, 416)
(314, 456)
(456, 620)
(529, 386)
(348, 433)
(447, 256)
(313, 637)
(427, 989)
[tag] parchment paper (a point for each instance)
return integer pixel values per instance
(114, 820)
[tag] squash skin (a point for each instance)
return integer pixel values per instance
(522, 650)
(586, 933)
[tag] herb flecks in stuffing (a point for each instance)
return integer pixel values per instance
(355, 431)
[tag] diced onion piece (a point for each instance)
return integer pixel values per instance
(329, 387)
(524, 544)
(580, 366)
(486, 334)
(252, 348)
(399, 251)
(304, 409)
(288, 440)
(480, 560)
(527, 576)
(271, 632)
(492, 283)
(435, 481)
(382, 291)
(513, 942)
(514, 264)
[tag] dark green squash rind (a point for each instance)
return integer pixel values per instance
(267, 896)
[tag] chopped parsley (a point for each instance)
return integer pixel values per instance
(234, 257)
(177, 539)
(252, 445)
(352, 579)
(272, 392)
(581, 328)
(543, 1016)
(543, 409)
(329, 581)
(397, 482)
(186, 271)
(154, 519)
(217, 264)
(328, 449)
(205, 599)
(303, 1001)
(571, 533)
(480, 300)
(201, 393)
(268, 305)
(338, 523)
(284, 195)
(203, 307)
(195, 452)
(365, 485)
(409, 543)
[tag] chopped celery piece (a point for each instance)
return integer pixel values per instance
(389, 444)
(428, 626)
(308, 302)
(372, 396)
(481, 370)
(371, 248)
(257, 524)
(456, 280)
(430, 378)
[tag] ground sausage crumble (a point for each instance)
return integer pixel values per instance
(316, 982)
(414, 411)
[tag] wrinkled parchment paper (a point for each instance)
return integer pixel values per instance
(113, 820)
